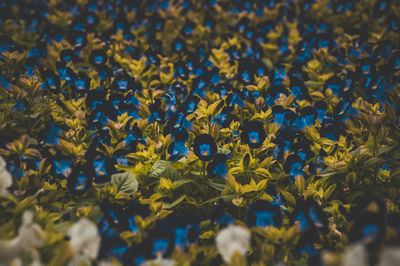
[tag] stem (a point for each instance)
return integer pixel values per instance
(204, 169)
(253, 152)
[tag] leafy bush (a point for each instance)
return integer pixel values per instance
(199, 132)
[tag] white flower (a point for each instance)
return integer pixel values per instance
(5, 178)
(159, 262)
(356, 255)
(30, 237)
(112, 262)
(84, 238)
(31, 234)
(390, 257)
(80, 260)
(232, 239)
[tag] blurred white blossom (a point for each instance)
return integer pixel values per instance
(5, 178)
(390, 256)
(356, 255)
(232, 239)
(84, 241)
(159, 262)
(30, 237)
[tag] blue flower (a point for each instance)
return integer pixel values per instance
(220, 217)
(130, 104)
(179, 90)
(156, 22)
(67, 55)
(6, 44)
(116, 99)
(190, 104)
(19, 106)
(273, 93)
(299, 89)
(309, 216)
(51, 80)
(162, 240)
(306, 245)
(112, 246)
(52, 135)
(156, 113)
(234, 99)
(131, 210)
(368, 228)
(135, 136)
(393, 23)
(96, 99)
(79, 181)
(82, 82)
(184, 227)
(177, 148)
(103, 169)
(62, 167)
(320, 108)
(209, 22)
(234, 54)
(308, 116)
(324, 40)
(176, 122)
(178, 45)
(336, 85)
(293, 166)
(264, 213)
(284, 141)
(223, 119)
(279, 112)
(65, 73)
(199, 86)
(277, 75)
(204, 147)
(217, 167)
(78, 38)
(14, 168)
(245, 71)
(152, 56)
(103, 71)
(302, 148)
(253, 133)
(242, 25)
(137, 254)
(122, 82)
(188, 28)
(181, 70)
(98, 57)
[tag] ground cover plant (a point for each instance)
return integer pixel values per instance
(182, 132)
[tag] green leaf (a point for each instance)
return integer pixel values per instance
(179, 183)
(217, 186)
(246, 160)
(224, 151)
(288, 197)
(163, 168)
(176, 202)
(226, 198)
(125, 182)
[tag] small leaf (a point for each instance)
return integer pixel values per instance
(246, 160)
(288, 197)
(227, 198)
(125, 182)
(162, 168)
(176, 202)
(237, 202)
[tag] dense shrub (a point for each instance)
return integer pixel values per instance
(199, 132)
